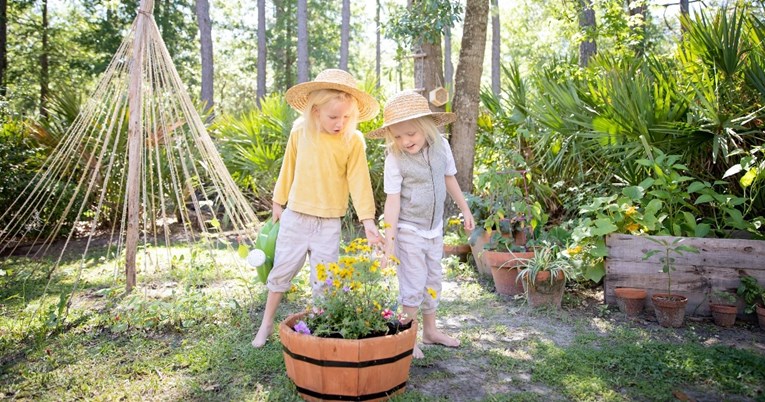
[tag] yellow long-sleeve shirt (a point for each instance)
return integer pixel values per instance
(319, 173)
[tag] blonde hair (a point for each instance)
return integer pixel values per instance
(309, 125)
(425, 125)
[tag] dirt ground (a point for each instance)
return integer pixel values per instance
(508, 325)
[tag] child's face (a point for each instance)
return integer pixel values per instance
(407, 137)
(334, 115)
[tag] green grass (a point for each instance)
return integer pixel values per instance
(184, 334)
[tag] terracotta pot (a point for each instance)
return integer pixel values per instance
(478, 251)
(760, 315)
(630, 300)
(371, 369)
(670, 309)
(460, 250)
(504, 269)
(724, 314)
(545, 293)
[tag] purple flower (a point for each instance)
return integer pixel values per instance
(346, 289)
(328, 281)
(302, 328)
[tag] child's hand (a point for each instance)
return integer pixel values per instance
(373, 235)
(276, 212)
(469, 221)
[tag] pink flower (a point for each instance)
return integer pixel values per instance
(387, 314)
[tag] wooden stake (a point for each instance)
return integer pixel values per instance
(135, 136)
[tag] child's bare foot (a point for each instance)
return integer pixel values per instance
(262, 336)
(417, 353)
(440, 338)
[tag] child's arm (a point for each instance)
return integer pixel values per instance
(453, 188)
(391, 212)
(284, 182)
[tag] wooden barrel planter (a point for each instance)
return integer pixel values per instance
(371, 369)
(504, 269)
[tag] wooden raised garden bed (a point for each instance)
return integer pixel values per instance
(717, 267)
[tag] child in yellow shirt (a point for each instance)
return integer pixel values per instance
(324, 162)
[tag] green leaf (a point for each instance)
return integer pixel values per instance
(704, 198)
(634, 192)
(603, 227)
(215, 223)
(600, 249)
(596, 272)
(696, 186)
(243, 251)
(748, 178)
(702, 230)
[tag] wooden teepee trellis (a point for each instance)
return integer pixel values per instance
(165, 182)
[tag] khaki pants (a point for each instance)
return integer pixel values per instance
(419, 270)
(301, 234)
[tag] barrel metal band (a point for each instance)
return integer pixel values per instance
(367, 397)
(335, 363)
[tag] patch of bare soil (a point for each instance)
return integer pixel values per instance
(496, 332)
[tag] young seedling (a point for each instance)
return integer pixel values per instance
(667, 260)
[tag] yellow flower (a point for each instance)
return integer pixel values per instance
(385, 225)
(377, 305)
(632, 227)
(432, 293)
(630, 211)
(321, 272)
(574, 250)
(454, 222)
(394, 260)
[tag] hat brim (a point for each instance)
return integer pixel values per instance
(439, 118)
(297, 97)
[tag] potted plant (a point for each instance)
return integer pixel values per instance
(507, 217)
(544, 277)
(505, 259)
(754, 298)
(631, 301)
(349, 344)
(723, 307)
(456, 238)
(669, 308)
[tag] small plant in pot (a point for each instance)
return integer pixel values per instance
(669, 308)
(544, 276)
(723, 307)
(754, 298)
(456, 238)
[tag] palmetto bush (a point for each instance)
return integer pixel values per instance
(252, 146)
(589, 128)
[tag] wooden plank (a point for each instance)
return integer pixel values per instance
(717, 267)
(727, 253)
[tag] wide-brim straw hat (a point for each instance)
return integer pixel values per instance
(409, 105)
(340, 80)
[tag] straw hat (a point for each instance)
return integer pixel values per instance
(297, 96)
(409, 105)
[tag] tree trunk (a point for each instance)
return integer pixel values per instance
(433, 72)
(495, 43)
(44, 62)
(639, 8)
(448, 66)
(588, 48)
(345, 29)
(302, 41)
(379, 43)
(684, 11)
(261, 91)
(205, 41)
(3, 45)
(467, 89)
